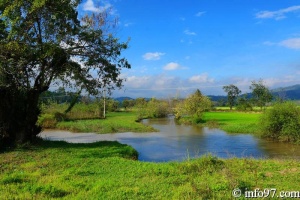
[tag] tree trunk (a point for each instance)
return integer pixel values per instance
(19, 113)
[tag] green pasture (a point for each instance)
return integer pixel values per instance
(115, 122)
(233, 122)
(107, 170)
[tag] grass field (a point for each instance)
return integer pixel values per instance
(233, 122)
(115, 122)
(105, 170)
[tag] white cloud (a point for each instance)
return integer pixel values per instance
(153, 56)
(293, 43)
(201, 78)
(199, 14)
(128, 24)
(172, 66)
(277, 15)
(138, 81)
(90, 6)
(188, 32)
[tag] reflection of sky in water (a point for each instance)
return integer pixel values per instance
(179, 142)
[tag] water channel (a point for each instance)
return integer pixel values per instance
(180, 142)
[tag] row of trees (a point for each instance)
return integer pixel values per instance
(261, 95)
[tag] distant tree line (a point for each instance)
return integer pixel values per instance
(260, 96)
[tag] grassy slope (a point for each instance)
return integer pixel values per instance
(234, 122)
(101, 171)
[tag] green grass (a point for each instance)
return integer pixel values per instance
(114, 123)
(105, 170)
(234, 122)
(231, 122)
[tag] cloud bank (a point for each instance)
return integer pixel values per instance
(277, 15)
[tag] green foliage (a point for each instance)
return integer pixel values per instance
(128, 103)
(194, 105)
(157, 108)
(244, 104)
(260, 94)
(282, 122)
(42, 42)
(232, 93)
(141, 108)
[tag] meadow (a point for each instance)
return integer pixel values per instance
(108, 170)
(233, 122)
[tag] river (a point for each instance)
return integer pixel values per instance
(176, 142)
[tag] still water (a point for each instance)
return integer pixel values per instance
(180, 142)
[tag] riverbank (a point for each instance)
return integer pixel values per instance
(115, 122)
(126, 121)
(106, 170)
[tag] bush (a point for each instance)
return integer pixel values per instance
(244, 105)
(282, 122)
(157, 108)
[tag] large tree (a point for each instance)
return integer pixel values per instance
(260, 93)
(232, 93)
(44, 42)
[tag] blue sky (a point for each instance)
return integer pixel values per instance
(179, 46)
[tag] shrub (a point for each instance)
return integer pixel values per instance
(157, 108)
(244, 104)
(282, 122)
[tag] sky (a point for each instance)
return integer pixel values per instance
(179, 46)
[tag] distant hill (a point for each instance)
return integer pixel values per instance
(121, 99)
(289, 93)
(217, 98)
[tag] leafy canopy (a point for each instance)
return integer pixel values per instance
(44, 42)
(232, 93)
(260, 93)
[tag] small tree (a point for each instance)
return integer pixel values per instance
(194, 105)
(125, 103)
(243, 104)
(232, 93)
(260, 94)
(157, 108)
(141, 106)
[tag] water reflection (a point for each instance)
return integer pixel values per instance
(179, 142)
